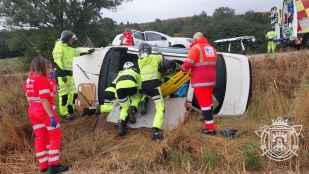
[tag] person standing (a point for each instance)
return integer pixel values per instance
(127, 37)
(63, 54)
(271, 41)
(40, 91)
(201, 61)
(150, 78)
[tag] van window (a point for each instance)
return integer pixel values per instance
(139, 35)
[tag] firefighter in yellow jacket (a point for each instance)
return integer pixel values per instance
(271, 41)
(63, 55)
(150, 79)
(127, 85)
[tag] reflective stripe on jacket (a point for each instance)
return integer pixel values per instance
(201, 61)
(127, 78)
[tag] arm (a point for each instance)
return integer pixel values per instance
(189, 61)
(42, 85)
(80, 51)
(47, 107)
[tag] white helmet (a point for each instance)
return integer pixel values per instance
(128, 65)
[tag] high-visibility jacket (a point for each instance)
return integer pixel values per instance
(149, 67)
(39, 87)
(127, 38)
(271, 35)
(63, 55)
(201, 61)
(127, 78)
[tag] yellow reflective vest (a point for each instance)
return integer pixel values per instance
(271, 35)
(63, 55)
(149, 67)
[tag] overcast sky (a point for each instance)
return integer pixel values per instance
(149, 10)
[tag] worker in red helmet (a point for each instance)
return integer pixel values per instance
(201, 61)
(127, 37)
(40, 91)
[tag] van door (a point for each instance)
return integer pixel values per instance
(233, 87)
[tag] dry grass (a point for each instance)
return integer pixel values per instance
(279, 88)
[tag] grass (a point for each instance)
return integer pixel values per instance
(13, 65)
(252, 158)
(279, 88)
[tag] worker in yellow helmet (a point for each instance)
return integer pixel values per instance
(63, 54)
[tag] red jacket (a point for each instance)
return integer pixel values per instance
(127, 38)
(201, 61)
(40, 87)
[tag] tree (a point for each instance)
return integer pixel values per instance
(61, 14)
(223, 12)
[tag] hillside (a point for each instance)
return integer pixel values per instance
(280, 88)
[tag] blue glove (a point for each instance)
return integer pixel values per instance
(53, 122)
(52, 74)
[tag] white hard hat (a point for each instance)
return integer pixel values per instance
(128, 65)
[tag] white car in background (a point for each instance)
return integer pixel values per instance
(155, 39)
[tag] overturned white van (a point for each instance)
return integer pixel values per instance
(232, 91)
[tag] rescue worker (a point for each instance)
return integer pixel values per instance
(110, 96)
(201, 61)
(127, 85)
(40, 91)
(150, 79)
(127, 38)
(271, 41)
(63, 55)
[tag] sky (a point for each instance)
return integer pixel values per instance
(139, 11)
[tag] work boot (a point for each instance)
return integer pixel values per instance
(143, 105)
(57, 169)
(156, 134)
(131, 114)
(43, 170)
(228, 132)
(209, 132)
(122, 128)
(67, 118)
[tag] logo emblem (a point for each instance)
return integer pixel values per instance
(209, 51)
(279, 141)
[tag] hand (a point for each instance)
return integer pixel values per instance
(182, 69)
(53, 122)
(52, 74)
(91, 51)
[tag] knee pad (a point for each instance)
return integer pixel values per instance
(64, 100)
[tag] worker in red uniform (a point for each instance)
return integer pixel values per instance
(40, 91)
(127, 37)
(201, 61)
